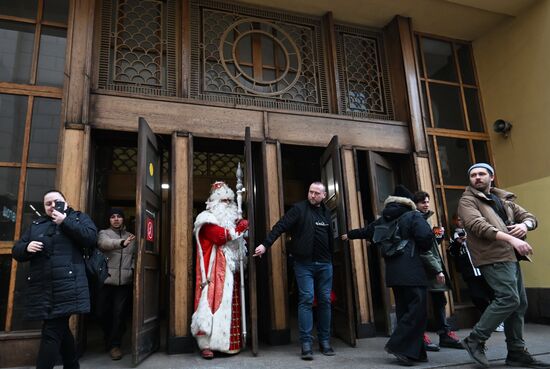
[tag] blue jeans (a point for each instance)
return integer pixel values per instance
(313, 279)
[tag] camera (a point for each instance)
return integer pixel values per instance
(59, 206)
(460, 233)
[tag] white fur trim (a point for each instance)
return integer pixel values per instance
(205, 217)
(400, 200)
(218, 334)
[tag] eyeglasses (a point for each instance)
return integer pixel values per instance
(227, 201)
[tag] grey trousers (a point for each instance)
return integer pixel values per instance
(509, 305)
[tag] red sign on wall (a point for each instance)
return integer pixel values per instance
(149, 230)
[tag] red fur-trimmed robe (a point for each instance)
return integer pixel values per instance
(216, 322)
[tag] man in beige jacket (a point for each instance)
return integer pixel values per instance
(496, 229)
(119, 247)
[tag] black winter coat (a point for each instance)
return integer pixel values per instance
(57, 284)
(404, 269)
(299, 222)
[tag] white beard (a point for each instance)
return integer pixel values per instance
(226, 214)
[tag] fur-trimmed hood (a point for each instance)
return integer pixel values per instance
(395, 206)
(400, 200)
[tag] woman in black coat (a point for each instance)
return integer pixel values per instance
(406, 276)
(57, 285)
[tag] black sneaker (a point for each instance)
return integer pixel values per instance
(307, 351)
(326, 349)
(524, 359)
(450, 340)
(476, 350)
(401, 359)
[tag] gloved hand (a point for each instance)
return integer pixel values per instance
(242, 226)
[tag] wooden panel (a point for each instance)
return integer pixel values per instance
(19, 349)
(181, 260)
(18, 89)
(405, 84)
(277, 252)
(332, 67)
(424, 177)
(72, 172)
(165, 117)
(343, 316)
(424, 181)
(78, 65)
(359, 259)
(318, 130)
(146, 319)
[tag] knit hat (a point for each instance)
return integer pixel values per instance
(402, 191)
(118, 211)
(484, 166)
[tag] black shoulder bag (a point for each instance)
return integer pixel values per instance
(96, 266)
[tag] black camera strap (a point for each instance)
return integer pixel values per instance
(498, 207)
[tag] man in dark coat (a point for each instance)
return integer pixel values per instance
(406, 275)
(57, 284)
(309, 223)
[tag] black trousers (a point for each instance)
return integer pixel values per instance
(57, 339)
(113, 312)
(438, 304)
(410, 309)
(480, 292)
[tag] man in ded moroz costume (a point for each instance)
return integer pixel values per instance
(219, 231)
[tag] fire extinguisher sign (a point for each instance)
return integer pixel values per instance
(149, 229)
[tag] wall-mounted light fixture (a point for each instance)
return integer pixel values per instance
(502, 126)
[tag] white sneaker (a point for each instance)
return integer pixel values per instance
(500, 328)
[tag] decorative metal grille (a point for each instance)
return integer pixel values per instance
(124, 159)
(138, 46)
(256, 57)
(364, 76)
(216, 165)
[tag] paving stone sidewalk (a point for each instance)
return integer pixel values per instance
(369, 353)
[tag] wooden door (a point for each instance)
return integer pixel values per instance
(382, 184)
(252, 297)
(343, 318)
(145, 320)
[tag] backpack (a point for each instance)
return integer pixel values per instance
(96, 266)
(387, 237)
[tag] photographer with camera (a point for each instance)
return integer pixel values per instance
(479, 290)
(57, 286)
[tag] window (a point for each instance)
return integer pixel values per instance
(256, 57)
(138, 47)
(364, 79)
(22, 59)
(33, 36)
(453, 117)
(452, 114)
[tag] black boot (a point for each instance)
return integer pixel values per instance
(307, 352)
(325, 348)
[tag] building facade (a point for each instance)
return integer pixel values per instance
(143, 104)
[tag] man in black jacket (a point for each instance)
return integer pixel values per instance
(57, 285)
(405, 274)
(312, 247)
